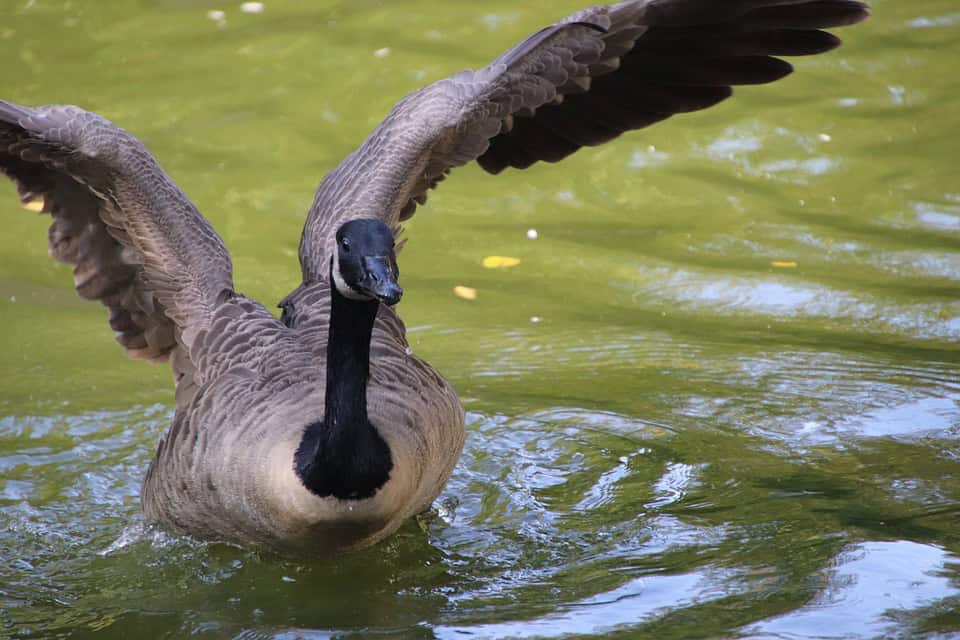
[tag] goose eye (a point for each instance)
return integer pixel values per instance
(345, 245)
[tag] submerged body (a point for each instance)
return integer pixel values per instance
(321, 431)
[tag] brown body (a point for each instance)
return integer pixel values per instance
(224, 470)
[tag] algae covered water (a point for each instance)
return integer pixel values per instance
(717, 397)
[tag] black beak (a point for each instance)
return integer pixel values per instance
(380, 280)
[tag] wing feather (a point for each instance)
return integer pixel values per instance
(581, 82)
(136, 242)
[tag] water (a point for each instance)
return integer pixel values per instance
(718, 397)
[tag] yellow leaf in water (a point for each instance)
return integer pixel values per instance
(783, 265)
(500, 262)
(467, 293)
(34, 205)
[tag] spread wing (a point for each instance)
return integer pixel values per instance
(137, 244)
(581, 82)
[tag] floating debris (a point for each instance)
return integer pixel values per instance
(532, 234)
(536, 319)
(467, 293)
(780, 264)
(381, 53)
(252, 7)
(220, 17)
(825, 137)
(500, 262)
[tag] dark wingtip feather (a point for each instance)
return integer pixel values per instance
(858, 12)
(804, 43)
(490, 163)
(705, 72)
(820, 14)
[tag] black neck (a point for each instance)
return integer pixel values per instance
(348, 359)
(344, 455)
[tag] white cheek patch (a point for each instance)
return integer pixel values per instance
(345, 290)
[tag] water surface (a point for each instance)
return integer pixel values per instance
(718, 398)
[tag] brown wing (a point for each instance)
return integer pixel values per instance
(137, 244)
(581, 82)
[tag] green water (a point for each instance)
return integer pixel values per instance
(687, 442)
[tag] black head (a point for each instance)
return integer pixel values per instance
(365, 264)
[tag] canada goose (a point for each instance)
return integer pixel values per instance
(321, 431)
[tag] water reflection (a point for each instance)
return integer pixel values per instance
(867, 592)
(630, 605)
(781, 297)
(939, 218)
(947, 20)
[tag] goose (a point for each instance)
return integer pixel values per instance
(320, 431)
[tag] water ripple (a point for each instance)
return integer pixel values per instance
(876, 589)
